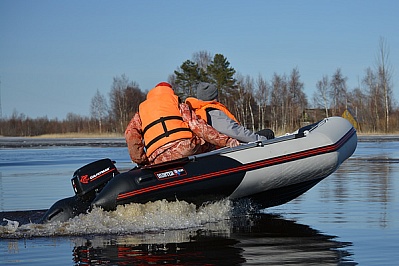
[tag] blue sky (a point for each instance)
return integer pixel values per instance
(54, 55)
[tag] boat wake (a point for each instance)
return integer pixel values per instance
(133, 218)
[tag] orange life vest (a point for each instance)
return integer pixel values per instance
(200, 107)
(161, 119)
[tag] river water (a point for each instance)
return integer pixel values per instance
(350, 218)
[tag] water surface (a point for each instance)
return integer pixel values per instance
(351, 217)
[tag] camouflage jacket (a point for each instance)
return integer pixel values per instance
(205, 138)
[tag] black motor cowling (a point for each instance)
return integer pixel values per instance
(91, 178)
(87, 182)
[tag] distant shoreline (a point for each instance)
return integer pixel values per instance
(37, 142)
(378, 137)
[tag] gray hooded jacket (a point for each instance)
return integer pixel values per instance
(224, 124)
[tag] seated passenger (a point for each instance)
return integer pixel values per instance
(165, 130)
(219, 117)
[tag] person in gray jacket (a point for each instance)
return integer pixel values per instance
(219, 117)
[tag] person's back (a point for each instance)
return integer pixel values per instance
(165, 130)
(219, 117)
(161, 118)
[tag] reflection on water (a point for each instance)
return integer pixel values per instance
(350, 217)
(372, 194)
(359, 202)
(255, 239)
(259, 239)
(366, 186)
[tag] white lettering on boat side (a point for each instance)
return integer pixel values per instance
(171, 173)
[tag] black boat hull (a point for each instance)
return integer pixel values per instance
(269, 173)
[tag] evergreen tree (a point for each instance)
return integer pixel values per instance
(220, 73)
(187, 78)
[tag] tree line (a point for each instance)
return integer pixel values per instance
(279, 103)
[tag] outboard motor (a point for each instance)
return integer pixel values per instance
(87, 182)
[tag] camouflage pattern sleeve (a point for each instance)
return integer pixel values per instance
(200, 128)
(134, 141)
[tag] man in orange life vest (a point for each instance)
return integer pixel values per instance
(219, 117)
(165, 130)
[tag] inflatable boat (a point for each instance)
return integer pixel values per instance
(269, 173)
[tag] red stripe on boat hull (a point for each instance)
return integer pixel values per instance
(245, 167)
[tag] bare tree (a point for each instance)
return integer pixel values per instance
(384, 78)
(203, 59)
(249, 100)
(124, 99)
(278, 102)
(297, 101)
(172, 81)
(239, 103)
(99, 108)
(320, 97)
(338, 92)
(263, 97)
(375, 99)
(244, 102)
(360, 108)
(74, 122)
